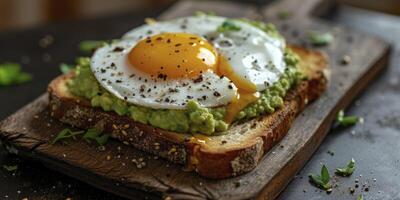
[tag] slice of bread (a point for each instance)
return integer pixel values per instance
(222, 156)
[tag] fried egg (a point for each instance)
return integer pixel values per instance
(164, 65)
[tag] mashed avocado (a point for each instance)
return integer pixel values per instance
(194, 119)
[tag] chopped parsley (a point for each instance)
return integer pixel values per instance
(88, 46)
(348, 170)
(322, 180)
(10, 168)
(10, 74)
(96, 135)
(346, 120)
(318, 39)
(91, 134)
(66, 68)
(65, 134)
(228, 25)
(360, 197)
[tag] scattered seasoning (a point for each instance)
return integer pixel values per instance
(284, 14)
(11, 74)
(198, 79)
(322, 180)
(318, 39)
(228, 25)
(118, 49)
(330, 152)
(348, 170)
(46, 41)
(346, 120)
(217, 94)
(66, 68)
(346, 59)
(10, 168)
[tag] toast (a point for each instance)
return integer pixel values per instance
(221, 156)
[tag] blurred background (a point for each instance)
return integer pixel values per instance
(19, 14)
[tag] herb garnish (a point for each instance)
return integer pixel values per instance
(348, 170)
(318, 39)
(228, 25)
(10, 73)
(322, 180)
(88, 46)
(66, 68)
(360, 197)
(10, 168)
(94, 134)
(65, 134)
(346, 120)
(88, 136)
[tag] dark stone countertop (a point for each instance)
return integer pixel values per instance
(374, 144)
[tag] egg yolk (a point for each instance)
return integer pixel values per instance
(174, 55)
(181, 55)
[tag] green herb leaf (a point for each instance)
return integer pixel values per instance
(10, 73)
(66, 68)
(10, 168)
(320, 39)
(325, 174)
(94, 134)
(321, 181)
(65, 134)
(360, 197)
(228, 25)
(348, 170)
(88, 46)
(284, 14)
(346, 120)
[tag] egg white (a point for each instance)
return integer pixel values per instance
(252, 53)
(112, 69)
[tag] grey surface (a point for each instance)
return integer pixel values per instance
(375, 144)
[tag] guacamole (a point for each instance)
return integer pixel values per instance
(193, 119)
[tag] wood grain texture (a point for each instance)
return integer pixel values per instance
(28, 130)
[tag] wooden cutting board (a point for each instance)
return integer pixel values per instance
(29, 130)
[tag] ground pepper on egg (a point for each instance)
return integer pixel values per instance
(193, 119)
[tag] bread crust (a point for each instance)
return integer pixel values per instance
(211, 156)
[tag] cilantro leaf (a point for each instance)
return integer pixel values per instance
(10, 168)
(346, 120)
(88, 46)
(65, 134)
(360, 197)
(10, 73)
(228, 25)
(348, 170)
(65, 68)
(318, 39)
(96, 135)
(322, 180)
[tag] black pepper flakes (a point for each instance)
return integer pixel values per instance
(217, 94)
(118, 49)
(198, 79)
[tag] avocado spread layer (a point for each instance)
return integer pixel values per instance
(193, 119)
